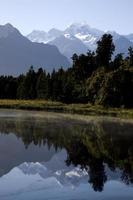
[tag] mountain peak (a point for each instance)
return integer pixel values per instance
(36, 34)
(17, 53)
(8, 25)
(76, 28)
(54, 30)
(78, 37)
(38, 31)
(82, 28)
(78, 24)
(54, 33)
(7, 29)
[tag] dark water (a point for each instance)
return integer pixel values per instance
(51, 156)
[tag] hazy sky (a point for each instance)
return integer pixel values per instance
(45, 14)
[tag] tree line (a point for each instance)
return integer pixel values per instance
(95, 78)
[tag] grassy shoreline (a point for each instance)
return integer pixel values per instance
(83, 109)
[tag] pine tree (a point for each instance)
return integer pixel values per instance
(41, 85)
(26, 89)
(130, 53)
(104, 51)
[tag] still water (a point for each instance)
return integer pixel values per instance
(48, 156)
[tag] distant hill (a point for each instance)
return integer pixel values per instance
(129, 37)
(122, 45)
(17, 53)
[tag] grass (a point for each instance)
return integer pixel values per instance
(84, 109)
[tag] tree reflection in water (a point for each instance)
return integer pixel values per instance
(94, 146)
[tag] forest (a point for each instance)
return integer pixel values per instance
(97, 78)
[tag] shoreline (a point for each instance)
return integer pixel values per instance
(58, 107)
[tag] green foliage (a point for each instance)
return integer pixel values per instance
(118, 61)
(110, 88)
(94, 84)
(26, 89)
(42, 85)
(105, 50)
(130, 53)
(83, 65)
(94, 77)
(114, 92)
(8, 87)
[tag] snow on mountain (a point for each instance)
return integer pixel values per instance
(89, 40)
(37, 36)
(69, 36)
(55, 181)
(83, 29)
(83, 32)
(86, 36)
(77, 38)
(64, 175)
(44, 37)
(29, 178)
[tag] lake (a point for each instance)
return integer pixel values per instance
(50, 156)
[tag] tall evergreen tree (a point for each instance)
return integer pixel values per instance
(42, 85)
(118, 61)
(130, 53)
(27, 88)
(104, 51)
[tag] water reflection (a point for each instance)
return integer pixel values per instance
(102, 149)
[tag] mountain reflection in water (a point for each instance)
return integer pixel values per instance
(95, 151)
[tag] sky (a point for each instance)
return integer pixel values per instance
(28, 15)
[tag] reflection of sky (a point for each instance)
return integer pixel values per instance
(53, 180)
(13, 153)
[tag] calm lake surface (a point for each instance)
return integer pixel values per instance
(48, 156)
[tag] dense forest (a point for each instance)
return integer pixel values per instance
(95, 77)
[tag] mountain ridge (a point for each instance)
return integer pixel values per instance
(18, 53)
(88, 37)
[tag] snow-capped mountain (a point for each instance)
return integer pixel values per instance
(78, 38)
(83, 28)
(38, 36)
(85, 33)
(56, 181)
(44, 37)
